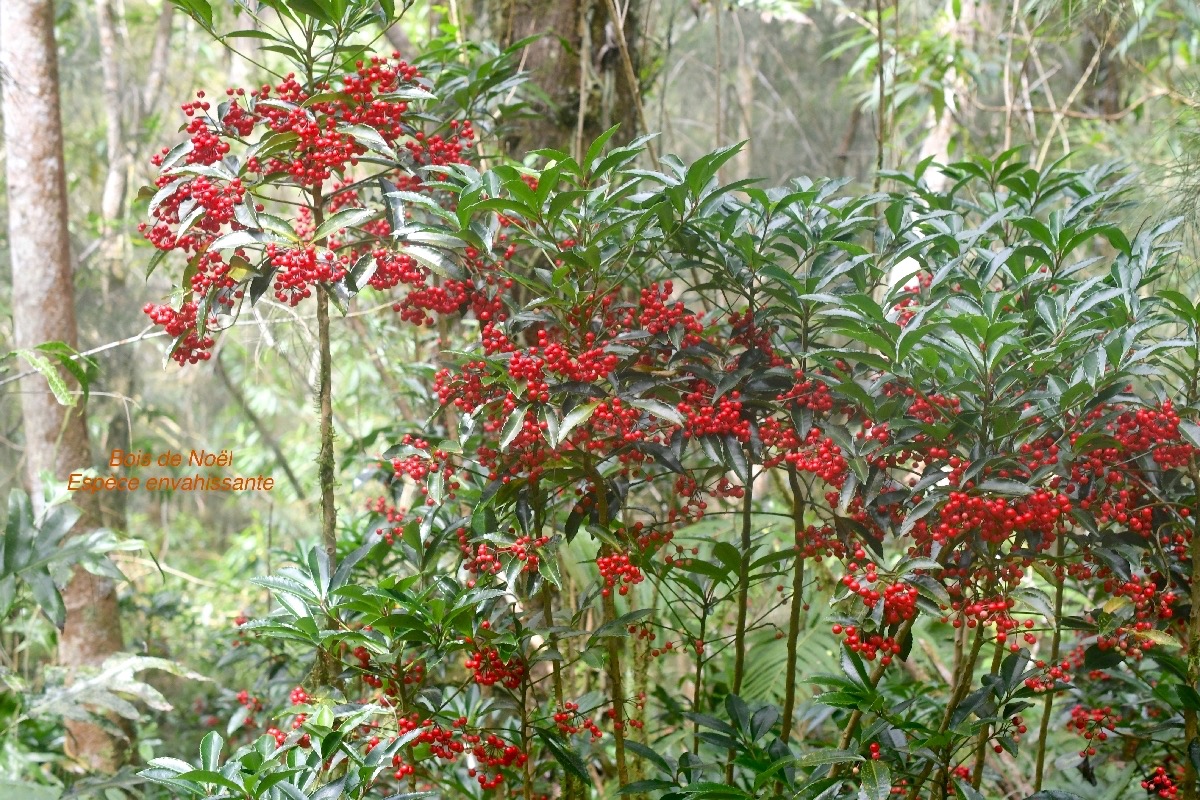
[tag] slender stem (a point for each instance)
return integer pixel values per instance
(739, 636)
(856, 716)
(263, 431)
(698, 679)
(789, 698)
(739, 639)
(635, 89)
(881, 131)
(326, 668)
(1048, 703)
(616, 681)
(1190, 722)
(984, 732)
(719, 75)
(962, 682)
(569, 791)
(527, 782)
(325, 462)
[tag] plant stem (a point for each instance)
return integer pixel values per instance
(527, 783)
(1191, 725)
(326, 668)
(981, 745)
(962, 682)
(569, 786)
(325, 461)
(616, 681)
(789, 699)
(1048, 703)
(856, 716)
(739, 639)
(739, 636)
(698, 680)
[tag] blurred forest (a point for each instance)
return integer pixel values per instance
(820, 88)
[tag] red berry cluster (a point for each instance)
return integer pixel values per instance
(315, 132)
(869, 646)
(1160, 784)
(489, 668)
(617, 570)
(191, 346)
(252, 704)
(1092, 724)
(570, 722)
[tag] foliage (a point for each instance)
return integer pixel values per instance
(700, 508)
(699, 389)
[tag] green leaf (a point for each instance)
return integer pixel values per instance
(597, 147)
(577, 416)
(819, 758)
(58, 386)
(564, 755)
(347, 218)
(318, 9)
(876, 780)
(659, 409)
(236, 239)
(47, 596)
(210, 750)
(620, 626)
(512, 426)
(641, 787)
(198, 10)
(432, 260)
(208, 776)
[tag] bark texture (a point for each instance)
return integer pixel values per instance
(56, 438)
(576, 65)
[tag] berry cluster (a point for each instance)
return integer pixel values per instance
(1160, 784)
(570, 722)
(489, 668)
(617, 570)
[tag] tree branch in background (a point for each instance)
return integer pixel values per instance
(263, 431)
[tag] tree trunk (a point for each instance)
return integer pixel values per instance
(1102, 94)
(112, 198)
(580, 51)
(56, 438)
(960, 31)
(243, 64)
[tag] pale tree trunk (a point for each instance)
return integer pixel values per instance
(112, 197)
(747, 79)
(243, 72)
(56, 438)
(160, 60)
(124, 110)
(941, 126)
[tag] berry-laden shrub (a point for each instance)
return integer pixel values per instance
(704, 511)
